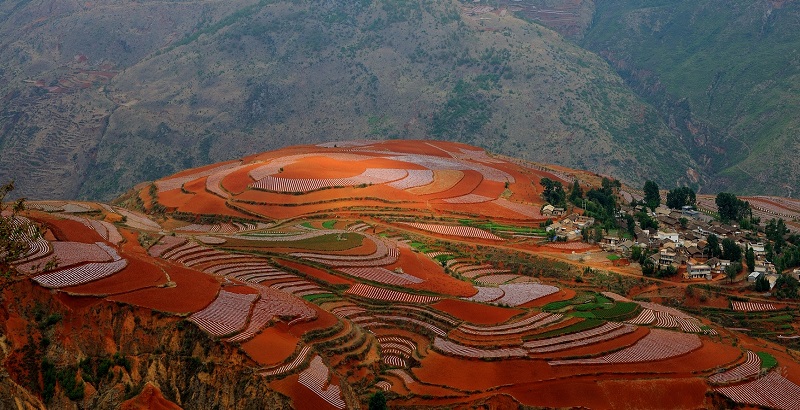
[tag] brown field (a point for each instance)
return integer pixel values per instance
(434, 278)
(316, 273)
(272, 346)
(73, 231)
(477, 313)
(192, 292)
(237, 182)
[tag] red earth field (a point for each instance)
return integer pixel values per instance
(313, 320)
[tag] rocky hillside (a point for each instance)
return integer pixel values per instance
(113, 350)
(723, 75)
(99, 96)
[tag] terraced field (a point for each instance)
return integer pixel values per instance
(336, 291)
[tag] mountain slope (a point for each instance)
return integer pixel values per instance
(723, 74)
(209, 81)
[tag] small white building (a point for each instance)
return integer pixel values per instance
(753, 276)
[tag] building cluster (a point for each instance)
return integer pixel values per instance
(681, 242)
(570, 227)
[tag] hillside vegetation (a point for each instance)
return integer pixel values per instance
(104, 95)
(723, 74)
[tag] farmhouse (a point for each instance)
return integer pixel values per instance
(697, 270)
(753, 276)
(758, 249)
(609, 243)
(689, 212)
(550, 210)
(666, 257)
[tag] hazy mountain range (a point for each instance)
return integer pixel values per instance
(98, 96)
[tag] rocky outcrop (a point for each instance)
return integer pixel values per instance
(116, 352)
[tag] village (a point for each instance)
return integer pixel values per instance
(686, 245)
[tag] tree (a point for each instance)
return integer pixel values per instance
(750, 258)
(575, 193)
(731, 208)
(651, 195)
(13, 231)
(377, 401)
(712, 246)
(786, 287)
(732, 270)
(630, 224)
(636, 253)
(776, 231)
(609, 185)
(684, 222)
(762, 284)
(668, 272)
(648, 267)
(553, 191)
(645, 221)
(730, 250)
(680, 197)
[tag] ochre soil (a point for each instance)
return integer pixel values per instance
(272, 346)
(322, 167)
(434, 278)
(476, 313)
(601, 393)
(236, 182)
(324, 320)
(302, 397)
(192, 292)
(150, 398)
(67, 230)
(137, 275)
(316, 273)
(482, 375)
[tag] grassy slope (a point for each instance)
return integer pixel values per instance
(724, 72)
(239, 77)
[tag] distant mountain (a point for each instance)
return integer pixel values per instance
(99, 96)
(723, 74)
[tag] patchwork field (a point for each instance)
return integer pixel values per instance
(409, 269)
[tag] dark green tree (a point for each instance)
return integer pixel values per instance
(630, 223)
(731, 208)
(786, 287)
(730, 250)
(609, 185)
(575, 193)
(732, 270)
(636, 254)
(646, 221)
(377, 401)
(648, 267)
(651, 195)
(553, 191)
(776, 232)
(680, 197)
(750, 258)
(712, 246)
(762, 284)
